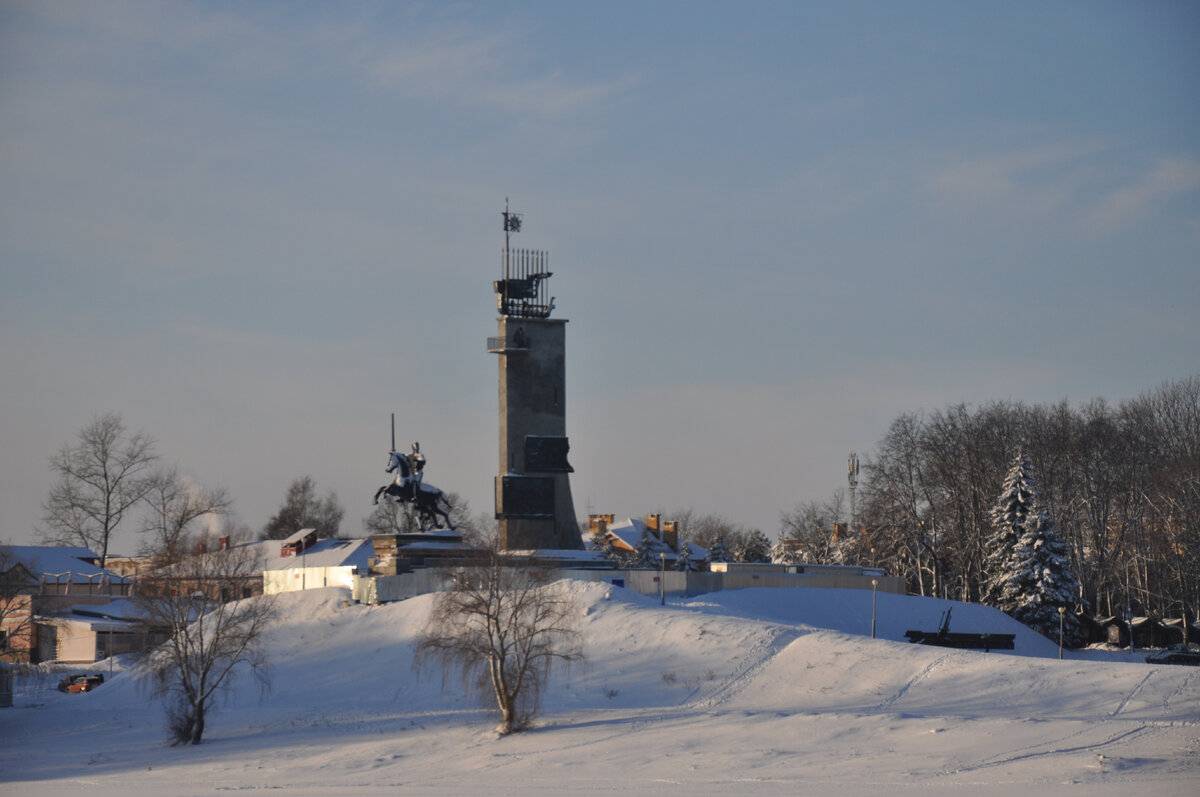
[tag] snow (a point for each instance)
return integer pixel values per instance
(57, 560)
(755, 691)
(324, 553)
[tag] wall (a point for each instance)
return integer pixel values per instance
(297, 578)
(381, 589)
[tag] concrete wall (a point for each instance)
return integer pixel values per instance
(297, 578)
(384, 589)
(381, 589)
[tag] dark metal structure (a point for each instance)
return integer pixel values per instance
(521, 293)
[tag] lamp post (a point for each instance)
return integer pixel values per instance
(1129, 624)
(662, 578)
(1062, 610)
(874, 595)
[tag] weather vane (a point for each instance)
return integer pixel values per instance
(522, 291)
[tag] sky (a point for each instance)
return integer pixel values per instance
(257, 230)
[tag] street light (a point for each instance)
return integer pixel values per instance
(874, 596)
(1062, 610)
(1129, 623)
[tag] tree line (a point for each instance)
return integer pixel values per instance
(1121, 482)
(111, 478)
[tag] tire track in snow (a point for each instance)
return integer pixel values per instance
(1182, 689)
(1018, 756)
(916, 679)
(1139, 728)
(756, 659)
(1132, 693)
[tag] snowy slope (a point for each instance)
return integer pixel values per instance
(749, 691)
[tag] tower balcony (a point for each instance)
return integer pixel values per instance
(508, 344)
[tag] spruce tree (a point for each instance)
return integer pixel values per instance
(1040, 580)
(717, 552)
(683, 560)
(1010, 516)
(647, 551)
(756, 548)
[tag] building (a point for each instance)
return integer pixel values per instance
(317, 564)
(533, 490)
(41, 589)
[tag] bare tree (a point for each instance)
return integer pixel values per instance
(16, 608)
(175, 506)
(302, 509)
(213, 634)
(502, 627)
(100, 478)
(811, 531)
(392, 517)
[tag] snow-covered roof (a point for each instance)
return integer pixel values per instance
(298, 536)
(629, 533)
(324, 553)
(57, 560)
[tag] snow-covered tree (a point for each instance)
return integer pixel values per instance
(1010, 518)
(785, 552)
(647, 551)
(1040, 580)
(684, 560)
(756, 548)
(717, 552)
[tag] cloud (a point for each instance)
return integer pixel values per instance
(1041, 178)
(468, 67)
(1166, 179)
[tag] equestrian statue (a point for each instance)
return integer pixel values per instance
(408, 488)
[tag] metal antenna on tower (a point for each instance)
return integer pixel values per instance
(522, 290)
(852, 476)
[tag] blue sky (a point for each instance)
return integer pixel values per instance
(256, 230)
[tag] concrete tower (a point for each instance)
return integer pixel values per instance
(533, 488)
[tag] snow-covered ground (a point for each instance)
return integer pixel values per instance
(752, 691)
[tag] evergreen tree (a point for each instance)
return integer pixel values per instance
(756, 548)
(1010, 517)
(647, 551)
(684, 560)
(717, 552)
(612, 553)
(1040, 580)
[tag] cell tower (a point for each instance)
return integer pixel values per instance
(533, 489)
(852, 477)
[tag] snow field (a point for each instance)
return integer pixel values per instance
(751, 691)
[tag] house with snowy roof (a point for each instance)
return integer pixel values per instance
(626, 535)
(41, 587)
(304, 562)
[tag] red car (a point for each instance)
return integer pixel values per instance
(80, 682)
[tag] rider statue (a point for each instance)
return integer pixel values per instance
(431, 504)
(416, 469)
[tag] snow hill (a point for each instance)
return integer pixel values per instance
(759, 691)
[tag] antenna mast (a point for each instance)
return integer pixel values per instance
(852, 477)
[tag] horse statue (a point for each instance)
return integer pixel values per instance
(409, 489)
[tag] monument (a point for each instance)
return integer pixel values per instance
(533, 489)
